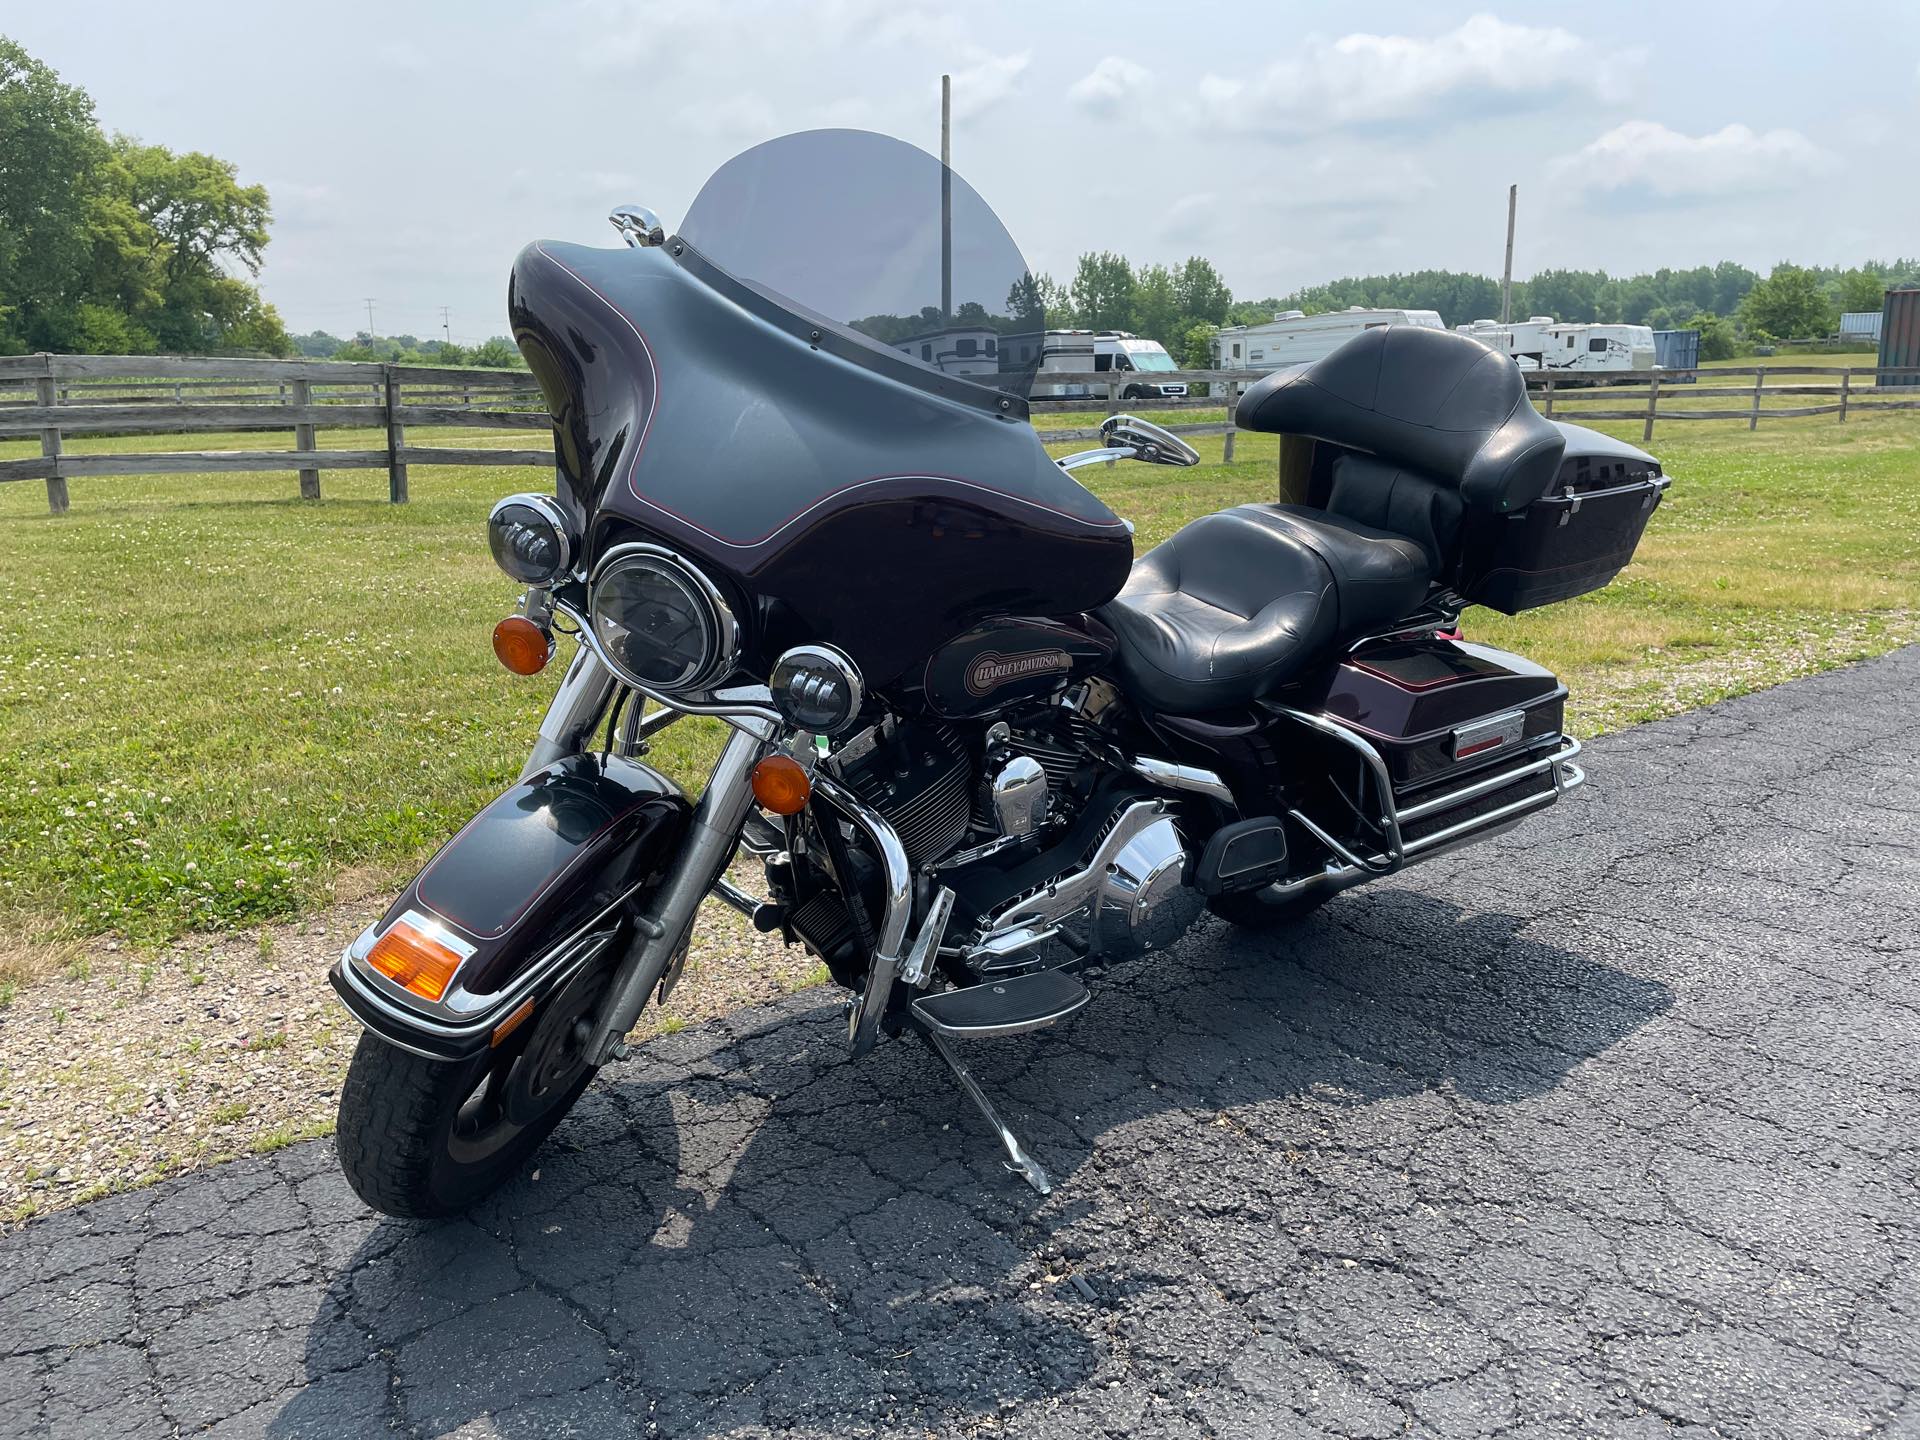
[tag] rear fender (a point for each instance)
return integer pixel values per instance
(533, 888)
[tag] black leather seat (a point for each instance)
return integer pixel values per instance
(1236, 604)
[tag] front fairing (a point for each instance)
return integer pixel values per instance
(839, 488)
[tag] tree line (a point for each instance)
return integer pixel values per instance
(112, 246)
(1728, 303)
(497, 353)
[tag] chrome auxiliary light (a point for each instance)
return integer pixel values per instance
(817, 688)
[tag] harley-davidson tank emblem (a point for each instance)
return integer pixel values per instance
(990, 669)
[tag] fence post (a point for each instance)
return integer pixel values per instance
(46, 391)
(396, 443)
(303, 439)
(1653, 400)
(1846, 390)
(1548, 412)
(1113, 407)
(1233, 404)
(1759, 379)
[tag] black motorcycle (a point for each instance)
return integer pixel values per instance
(978, 748)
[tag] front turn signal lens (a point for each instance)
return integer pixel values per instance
(522, 646)
(415, 960)
(780, 785)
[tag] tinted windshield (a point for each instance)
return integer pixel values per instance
(879, 238)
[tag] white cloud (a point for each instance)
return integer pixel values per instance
(985, 80)
(1363, 80)
(1645, 156)
(1111, 87)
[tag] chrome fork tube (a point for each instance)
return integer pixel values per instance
(574, 713)
(703, 855)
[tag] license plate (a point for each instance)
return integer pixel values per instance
(1483, 737)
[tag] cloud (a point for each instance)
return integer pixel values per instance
(1111, 87)
(985, 80)
(1646, 157)
(1362, 81)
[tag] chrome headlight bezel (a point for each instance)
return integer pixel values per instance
(796, 666)
(720, 630)
(548, 509)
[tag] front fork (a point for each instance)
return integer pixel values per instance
(567, 728)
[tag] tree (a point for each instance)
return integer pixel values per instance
(1103, 291)
(1858, 290)
(1156, 308)
(1716, 336)
(1575, 295)
(1789, 304)
(1197, 352)
(1199, 292)
(50, 150)
(499, 353)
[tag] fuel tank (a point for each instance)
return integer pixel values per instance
(995, 664)
(840, 491)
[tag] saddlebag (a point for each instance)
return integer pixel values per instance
(1574, 539)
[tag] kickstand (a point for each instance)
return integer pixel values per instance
(1018, 1161)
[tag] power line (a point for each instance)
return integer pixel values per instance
(446, 322)
(370, 329)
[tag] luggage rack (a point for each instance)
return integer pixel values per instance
(1351, 866)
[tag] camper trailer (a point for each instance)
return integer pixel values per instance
(964, 350)
(1293, 337)
(1569, 348)
(1133, 362)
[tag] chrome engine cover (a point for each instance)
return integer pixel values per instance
(1130, 896)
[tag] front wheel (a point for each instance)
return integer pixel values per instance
(421, 1138)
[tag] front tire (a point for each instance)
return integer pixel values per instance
(421, 1139)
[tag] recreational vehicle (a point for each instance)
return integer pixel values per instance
(1104, 351)
(1293, 337)
(1579, 349)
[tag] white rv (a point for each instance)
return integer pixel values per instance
(1293, 337)
(1102, 351)
(1571, 348)
(958, 350)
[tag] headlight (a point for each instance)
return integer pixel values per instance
(659, 622)
(529, 540)
(816, 688)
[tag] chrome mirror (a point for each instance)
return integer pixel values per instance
(1152, 443)
(637, 225)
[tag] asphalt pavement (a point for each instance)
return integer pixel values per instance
(1606, 1129)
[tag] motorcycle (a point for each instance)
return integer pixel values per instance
(978, 750)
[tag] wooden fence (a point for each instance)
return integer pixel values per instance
(61, 396)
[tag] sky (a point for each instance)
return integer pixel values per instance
(411, 149)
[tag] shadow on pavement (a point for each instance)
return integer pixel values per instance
(737, 1229)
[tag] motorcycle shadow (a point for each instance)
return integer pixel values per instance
(736, 1229)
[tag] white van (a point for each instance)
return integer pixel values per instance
(1116, 351)
(1293, 337)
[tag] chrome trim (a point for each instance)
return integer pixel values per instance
(636, 727)
(917, 968)
(1170, 776)
(733, 897)
(574, 712)
(551, 512)
(1151, 443)
(1020, 796)
(702, 859)
(732, 703)
(1094, 457)
(724, 630)
(863, 1019)
(1389, 820)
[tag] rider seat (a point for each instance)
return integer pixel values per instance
(1235, 604)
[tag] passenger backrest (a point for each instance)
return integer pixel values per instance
(1390, 497)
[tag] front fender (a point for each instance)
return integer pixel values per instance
(532, 888)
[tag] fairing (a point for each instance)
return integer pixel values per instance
(843, 489)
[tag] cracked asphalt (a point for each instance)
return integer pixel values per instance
(1606, 1129)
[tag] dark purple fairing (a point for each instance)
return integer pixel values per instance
(840, 492)
(545, 858)
(1002, 661)
(1408, 698)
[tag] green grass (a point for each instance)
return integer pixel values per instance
(217, 701)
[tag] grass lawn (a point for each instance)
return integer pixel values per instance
(216, 700)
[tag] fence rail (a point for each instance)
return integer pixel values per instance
(61, 396)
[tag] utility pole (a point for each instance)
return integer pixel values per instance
(446, 322)
(946, 200)
(369, 317)
(1506, 277)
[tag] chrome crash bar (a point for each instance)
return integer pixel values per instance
(1351, 867)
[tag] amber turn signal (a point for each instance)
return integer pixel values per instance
(780, 785)
(414, 960)
(523, 647)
